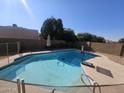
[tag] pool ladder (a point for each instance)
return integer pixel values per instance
(53, 91)
(88, 77)
(93, 83)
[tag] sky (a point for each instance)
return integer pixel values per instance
(100, 17)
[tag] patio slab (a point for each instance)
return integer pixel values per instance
(116, 70)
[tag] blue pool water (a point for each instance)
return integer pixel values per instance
(55, 69)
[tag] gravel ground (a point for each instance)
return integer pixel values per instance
(117, 59)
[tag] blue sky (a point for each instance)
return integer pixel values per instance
(101, 17)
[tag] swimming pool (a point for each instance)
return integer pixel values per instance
(58, 68)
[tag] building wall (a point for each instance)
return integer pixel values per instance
(18, 33)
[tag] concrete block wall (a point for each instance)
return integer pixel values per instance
(110, 48)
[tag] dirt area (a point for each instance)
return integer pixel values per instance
(117, 59)
(3, 57)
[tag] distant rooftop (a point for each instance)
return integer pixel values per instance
(18, 32)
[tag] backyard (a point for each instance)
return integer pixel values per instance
(62, 46)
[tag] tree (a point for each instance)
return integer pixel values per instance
(121, 40)
(53, 27)
(100, 39)
(84, 36)
(69, 35)
(48, 28)
(89, 37)
(59, 29)
(14, 25)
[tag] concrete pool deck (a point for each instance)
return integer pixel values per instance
(108, 67)
(116, 75)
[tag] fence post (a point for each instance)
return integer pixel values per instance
(31, 52)
(18, 86)
(122, 50)
(23, 86)
(18, 47)
(7, 51)
(82, 49)
(94, 88)
(96, 85)
(53, 91)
